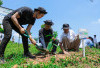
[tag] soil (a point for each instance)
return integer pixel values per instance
(45, 58)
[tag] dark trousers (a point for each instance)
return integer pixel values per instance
(7, 26)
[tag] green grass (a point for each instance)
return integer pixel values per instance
(14, 55)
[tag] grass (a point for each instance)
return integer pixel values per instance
(14, 56)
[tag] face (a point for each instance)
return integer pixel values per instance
(47, 27)
(39, 15)
(94, 35)
(66, 30)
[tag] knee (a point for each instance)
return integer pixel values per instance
(64, 38)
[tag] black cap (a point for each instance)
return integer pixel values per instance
(65, 26)
(41, 9)
(48, 22)
(95, 35)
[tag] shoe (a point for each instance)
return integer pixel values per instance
(66, 50)
(54, 53)
(29, 55)
(76, 50)
(1, 55)
(2, 61)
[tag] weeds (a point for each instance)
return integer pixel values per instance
(14, 55)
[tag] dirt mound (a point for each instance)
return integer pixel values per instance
(46, 58)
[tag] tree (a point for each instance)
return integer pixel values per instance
(43, 25)
(1, 2)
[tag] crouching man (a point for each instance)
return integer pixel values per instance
(68, 40)
(15, 21)
(45, 34)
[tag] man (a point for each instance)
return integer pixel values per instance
(69, 40)
(15, 20)
(45, 34)
(89, 42)
(95, 41)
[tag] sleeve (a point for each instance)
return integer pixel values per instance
(40, 33)
(61, 38)
(25, 11)
(32, 21)
(52, 32)
(73, 33)
(41, 38)
(21, 11)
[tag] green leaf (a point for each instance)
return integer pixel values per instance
(1, 2)
(49, 45)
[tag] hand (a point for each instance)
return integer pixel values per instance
(66, 53)
(22, 30)
(53, 38)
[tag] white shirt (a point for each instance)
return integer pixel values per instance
(86, 42)
(95, 40)
(70, 35)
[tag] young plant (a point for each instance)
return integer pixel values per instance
(50, 44)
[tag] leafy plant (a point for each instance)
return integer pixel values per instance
(50, 44)
(1, 2)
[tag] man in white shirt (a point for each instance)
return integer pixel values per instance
(69, 40)
(95, 41)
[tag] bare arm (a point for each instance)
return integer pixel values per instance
(30, 36)
(28, 29)
(61, 47)
(15, 21)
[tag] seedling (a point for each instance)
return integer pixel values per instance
(51, 44)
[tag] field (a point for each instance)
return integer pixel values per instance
(15, 59)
